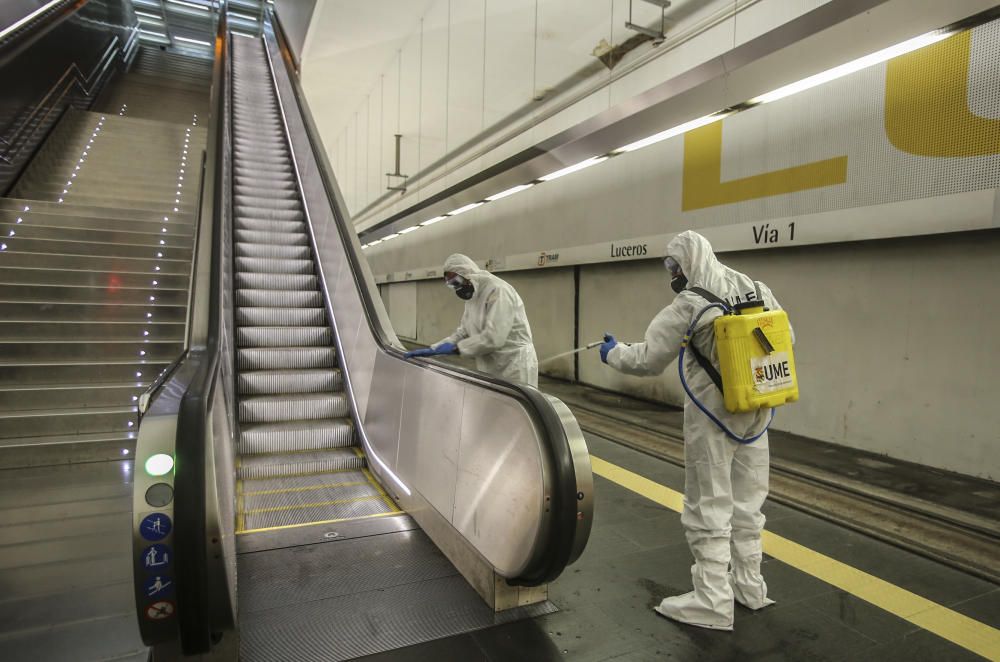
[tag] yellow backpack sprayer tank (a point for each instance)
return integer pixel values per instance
(756, 358)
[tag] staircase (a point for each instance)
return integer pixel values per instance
(299, 459)
(162, 86)
(95, 259)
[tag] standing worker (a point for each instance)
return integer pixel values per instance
(725, 482)
(494, 326)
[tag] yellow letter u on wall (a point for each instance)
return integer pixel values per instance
(926, 103)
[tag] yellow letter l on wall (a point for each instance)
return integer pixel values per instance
(703, 174)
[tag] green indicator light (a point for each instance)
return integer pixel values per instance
(159, 464)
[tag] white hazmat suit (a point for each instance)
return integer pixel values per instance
(494, 326)
(725, 482)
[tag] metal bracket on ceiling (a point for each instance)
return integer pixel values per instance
(399, 177)
(657, 37)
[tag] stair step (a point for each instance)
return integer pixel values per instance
(62, 311)
(49, 422)
(93, 278)
(85, 395)
(73, 372)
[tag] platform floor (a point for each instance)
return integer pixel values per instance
(637, 555)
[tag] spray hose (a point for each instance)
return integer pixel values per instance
(696, 401)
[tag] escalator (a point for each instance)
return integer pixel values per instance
(307, 493)
(299, 459)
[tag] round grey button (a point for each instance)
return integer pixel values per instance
(159, 495)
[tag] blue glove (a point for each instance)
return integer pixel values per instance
(609, 344)
(446, 348)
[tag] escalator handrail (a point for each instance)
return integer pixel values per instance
(203, 344)
(22, 33)
(553, 557)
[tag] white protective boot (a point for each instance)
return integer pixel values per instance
(710, 604)
(749, 587)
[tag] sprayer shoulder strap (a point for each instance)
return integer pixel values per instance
(702, 360)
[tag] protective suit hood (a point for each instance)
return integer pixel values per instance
(698, 262)
(461, 265)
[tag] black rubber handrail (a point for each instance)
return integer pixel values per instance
(205, 348)
(13, 43)
(554, 553)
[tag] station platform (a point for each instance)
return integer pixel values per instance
(823, 585)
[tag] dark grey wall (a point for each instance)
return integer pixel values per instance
(48, 72)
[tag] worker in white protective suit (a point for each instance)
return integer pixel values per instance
(494, 326)
(725, 482)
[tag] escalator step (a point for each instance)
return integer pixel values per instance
(266, 265)
(261, 316)
(286, 357)
(279, 298)
(283, 336)
(298, 463)
(292, 407)
(259, 382)
(277, 238)
(276, 281)
(268, 251)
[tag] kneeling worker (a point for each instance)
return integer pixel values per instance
(725, 482)
(494, 326)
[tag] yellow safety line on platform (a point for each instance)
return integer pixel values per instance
(946, 623)
(326, 521)
(289, 490)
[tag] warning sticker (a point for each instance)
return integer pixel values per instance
(160, 610)
(771, 372)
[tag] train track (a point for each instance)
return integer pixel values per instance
(956, 539)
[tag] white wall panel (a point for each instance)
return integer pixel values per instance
(434, 84)
(465, 71)
(410, 107)
(510, 57)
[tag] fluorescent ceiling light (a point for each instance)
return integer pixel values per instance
(155, 34)
(188, 4)
(145, 15)
(377, 241)
(193, 41)
(594, 160)
(462, 210)
(409, 229)
(244, 17)
(510, 191)
(854, 65)
(670, 133)
(390, 236)
(432, 221)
